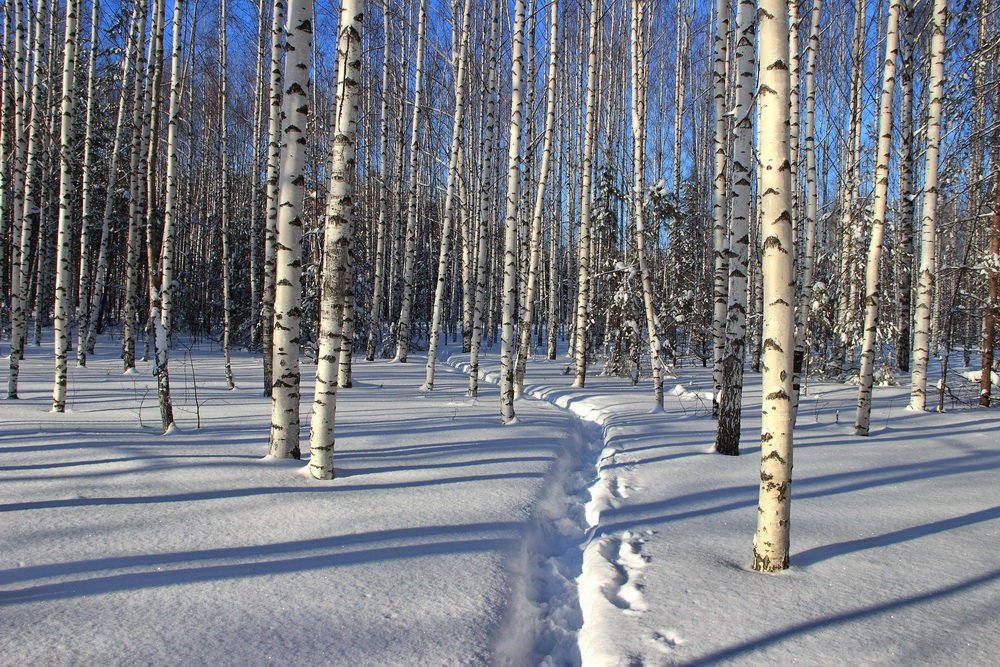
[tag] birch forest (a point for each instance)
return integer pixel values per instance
(780, 190)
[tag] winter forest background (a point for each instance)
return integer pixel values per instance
(709, 210)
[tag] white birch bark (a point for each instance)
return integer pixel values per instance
(87, 197)
(928, 232)
(727, 440)
(535, 241)
(409, 257)
(640, 85)
(720, 201)
(284, 441)
(681, 56)
(510, 216)
(5, 130)
(224, 194)
(812, 197)
(586, 176)
(162, 299)
(140, 204)
(29, 204)
(907, 198)
(770, 549)
(346, 357)
(378, 281)
(846, 302)
(274, 138)
(485, 203)
(444, 249)
(872, 283)
(258, 159)
(337, 238)
(12, 185)
(62, 322)
(992, 305)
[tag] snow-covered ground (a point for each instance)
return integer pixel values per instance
(592, 529)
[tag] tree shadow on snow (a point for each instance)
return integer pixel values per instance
(870, 611)
(331, 556)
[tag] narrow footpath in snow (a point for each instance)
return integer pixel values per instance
(892, 557)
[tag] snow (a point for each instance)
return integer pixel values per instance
(593, 530)
(976, 376)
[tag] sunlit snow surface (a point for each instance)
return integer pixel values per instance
(594, 529)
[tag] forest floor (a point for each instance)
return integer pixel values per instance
(594, 529)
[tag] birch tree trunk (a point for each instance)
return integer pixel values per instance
(5, 129)
(378, 281)
(510, 216)
(145, 107)
(29, 205)
(162, 299)
(992, 304)
(224, 187)
(86, 189)
(681, 56)
(288, 258)
(19, 151)
(727, 439)
(849, 224)
(720, 203)
(535, 242)
(770, 548)
(444, 250)
(586, 175)
(274, 138)
(907, 197)
(928, 232)
(337, 238)
(63, 304)
(485, 204)
(812, 197)
(640, 85)
(409, 258)
(872, 283)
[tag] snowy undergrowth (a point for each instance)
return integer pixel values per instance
(580, 573)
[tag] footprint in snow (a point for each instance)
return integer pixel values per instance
(665, 640)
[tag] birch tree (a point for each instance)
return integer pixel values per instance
(720, 213)
(454, 153)
(288, 257)
(224, 191)
(992, 303)
(640, 84)
(27, 205)
(337, 238)
(378, 280)
(538, 212)
(161, 299)
(274, 138)
(145, 111)
(907, 197)
(87, 196)
(144, 108)
(586, 177)
(812, 194)
(872, 278)
(510, 216)
(489, 131)
(770, 548)
(5, 137)
(409, 258)
(63, 303)
(727, 439)
(928, 227)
